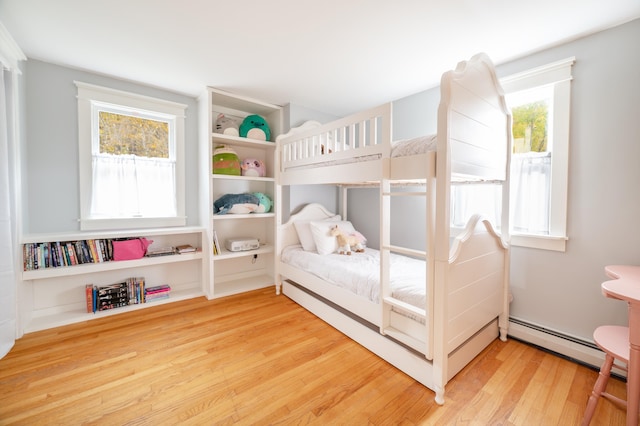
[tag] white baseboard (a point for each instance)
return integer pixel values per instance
(580, 350)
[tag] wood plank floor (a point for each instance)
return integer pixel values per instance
(259, 358)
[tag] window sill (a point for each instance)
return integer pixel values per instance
(131, 223)
(543, 242)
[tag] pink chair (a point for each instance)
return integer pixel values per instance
(620, 343)
(614, 341)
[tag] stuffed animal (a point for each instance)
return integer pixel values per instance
(253, 167)
(236, 204)
(346, 243)
(255, 127)
(264, 203)
(226, 126)
(226, 161)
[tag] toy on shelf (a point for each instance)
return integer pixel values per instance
(255, 127)
(264, 203)
(226, 161)
(253, 167)
(226, 126)
(245, 203)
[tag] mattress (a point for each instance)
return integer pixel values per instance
(360, 273)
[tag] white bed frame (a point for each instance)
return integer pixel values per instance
(467, 284)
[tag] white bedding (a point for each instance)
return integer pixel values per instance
(360, 273)
(414, 146)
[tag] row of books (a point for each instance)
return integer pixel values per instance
(130, 292)
(69, 253)
(66, 253)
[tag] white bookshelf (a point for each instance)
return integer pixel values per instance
(56, 295)
(237, 272)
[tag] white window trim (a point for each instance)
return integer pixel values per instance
(559, 75)
(87, 93)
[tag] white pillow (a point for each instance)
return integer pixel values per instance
(325, 243)
(303, 230)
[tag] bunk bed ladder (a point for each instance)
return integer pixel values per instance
(388, 302)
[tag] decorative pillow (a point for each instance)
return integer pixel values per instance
(325, 243)
(303, 230)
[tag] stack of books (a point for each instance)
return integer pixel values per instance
(158, 292)
(160, 251)
(185, 248)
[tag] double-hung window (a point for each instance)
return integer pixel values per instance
(540, 103)
(539, 100)
(131, 151)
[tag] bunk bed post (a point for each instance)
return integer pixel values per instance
(442, 236)
(278, 161)
(385, 244)
(505, 225)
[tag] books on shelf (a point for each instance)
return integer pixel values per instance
(157, 293)
(216, 244)
(160, 251)
(132, 291)
(56, 254)
(185, 248)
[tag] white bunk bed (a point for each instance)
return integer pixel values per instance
(464, 290)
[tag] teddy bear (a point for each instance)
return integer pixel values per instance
(226, 126)
(255, 127)
(253, 167)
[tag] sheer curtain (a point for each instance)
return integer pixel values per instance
(132, 186)
(530, 193)
(529, 198)
(7, 234)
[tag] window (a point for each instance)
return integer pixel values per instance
(540, 103)
(131, 151)
(539, 100)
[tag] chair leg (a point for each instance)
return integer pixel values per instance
(598, 389)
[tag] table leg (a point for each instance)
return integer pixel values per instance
(633, 371)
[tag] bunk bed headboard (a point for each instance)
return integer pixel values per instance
(474, 123)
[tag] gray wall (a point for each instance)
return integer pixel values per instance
(50, 170)
(561, 291)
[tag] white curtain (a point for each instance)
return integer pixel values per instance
(470, 199)
(529, 198)
(530, 192)
(132, 186)
(7, 235)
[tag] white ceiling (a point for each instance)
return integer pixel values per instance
(335, 56)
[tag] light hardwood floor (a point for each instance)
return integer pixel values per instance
(259, 358)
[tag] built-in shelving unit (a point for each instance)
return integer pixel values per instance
(237, 272)
(57, 294)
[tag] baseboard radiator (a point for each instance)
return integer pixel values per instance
(571, 347)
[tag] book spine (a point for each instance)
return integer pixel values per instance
(85, 251)
(88, 289)
(73, 260)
